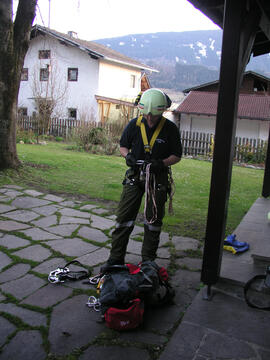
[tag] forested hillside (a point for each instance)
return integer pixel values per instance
(184, 59)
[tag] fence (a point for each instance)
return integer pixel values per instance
(56, 126)
(194, 143)
(202, 144)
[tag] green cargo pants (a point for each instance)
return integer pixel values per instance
(128, 208)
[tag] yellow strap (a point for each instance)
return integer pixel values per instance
(148, 147)
(229, 248)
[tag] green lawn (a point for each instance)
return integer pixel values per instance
(56, 169)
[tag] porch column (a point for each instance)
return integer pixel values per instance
(239, 29)
(266, 180)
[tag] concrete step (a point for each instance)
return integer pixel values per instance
(237, 272)
(255, 230)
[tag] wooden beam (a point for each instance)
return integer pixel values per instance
(102, 112)
(264, 22)
(108, 110)
(236, 48)
(266, 180)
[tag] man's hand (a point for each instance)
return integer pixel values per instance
(130, 160)
(157, 166)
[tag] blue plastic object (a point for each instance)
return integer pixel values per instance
(235, 246)
(231, 240)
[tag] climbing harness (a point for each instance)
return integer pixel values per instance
(60, 275)
(148, 147)
(147, 176)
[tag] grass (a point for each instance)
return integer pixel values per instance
(98, 178)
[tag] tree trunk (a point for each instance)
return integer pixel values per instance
(14, 43)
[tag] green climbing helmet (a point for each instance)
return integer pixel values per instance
(153, 101)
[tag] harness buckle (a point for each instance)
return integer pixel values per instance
(147, 148)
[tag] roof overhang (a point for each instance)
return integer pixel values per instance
(113, 101)
(214, 9)
(130, 64)
(37, 29)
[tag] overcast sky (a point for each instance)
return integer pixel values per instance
(97, 19)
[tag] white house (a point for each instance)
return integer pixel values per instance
(79, 79)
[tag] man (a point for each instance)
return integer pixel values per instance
(150, 144)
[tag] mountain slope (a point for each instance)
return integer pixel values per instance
(184, 59)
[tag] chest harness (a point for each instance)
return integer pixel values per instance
(150, 181)
(148, 147)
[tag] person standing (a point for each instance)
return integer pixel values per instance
(150, 145)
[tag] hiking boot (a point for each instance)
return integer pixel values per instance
(110, 263)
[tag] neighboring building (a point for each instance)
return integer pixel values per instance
(252, 83)
(197, 113)
(78, 79)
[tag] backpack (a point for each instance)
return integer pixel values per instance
(126, 290)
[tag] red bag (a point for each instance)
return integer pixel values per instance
(163, 274)
(125, 319)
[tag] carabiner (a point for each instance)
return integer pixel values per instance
(94, 280)
(94, 303)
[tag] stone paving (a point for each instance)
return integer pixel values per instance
(38, 320)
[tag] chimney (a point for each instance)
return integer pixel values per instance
(73, 34)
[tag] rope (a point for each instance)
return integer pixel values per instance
(150, 185)
(171, 194)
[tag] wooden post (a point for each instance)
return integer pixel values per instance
(266, 180)
(239, 29)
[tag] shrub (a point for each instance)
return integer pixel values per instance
(59, 138)
(27, 136)
(97, 140)
(252, 155)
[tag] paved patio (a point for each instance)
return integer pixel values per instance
(38, 320)
(225, 327)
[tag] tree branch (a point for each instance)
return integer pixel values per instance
(26, 13)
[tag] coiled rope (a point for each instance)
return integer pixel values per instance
(150, 186)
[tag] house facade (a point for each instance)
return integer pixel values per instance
(77, 79)
(197, 113)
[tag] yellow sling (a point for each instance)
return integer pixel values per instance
(148, 147)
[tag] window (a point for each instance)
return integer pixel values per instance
(260, 85)
(117, 106)
(132, 81)
(44, 74)
(72, 113)
(22, 111)
(24, 74)
(72, 74)
(44, 54)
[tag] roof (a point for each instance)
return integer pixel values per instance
(96, 51)
(252, 73)
(256, 107)
(114, 101)
(214, 9)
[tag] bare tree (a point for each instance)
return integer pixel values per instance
(14, 43)
(49, 96)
